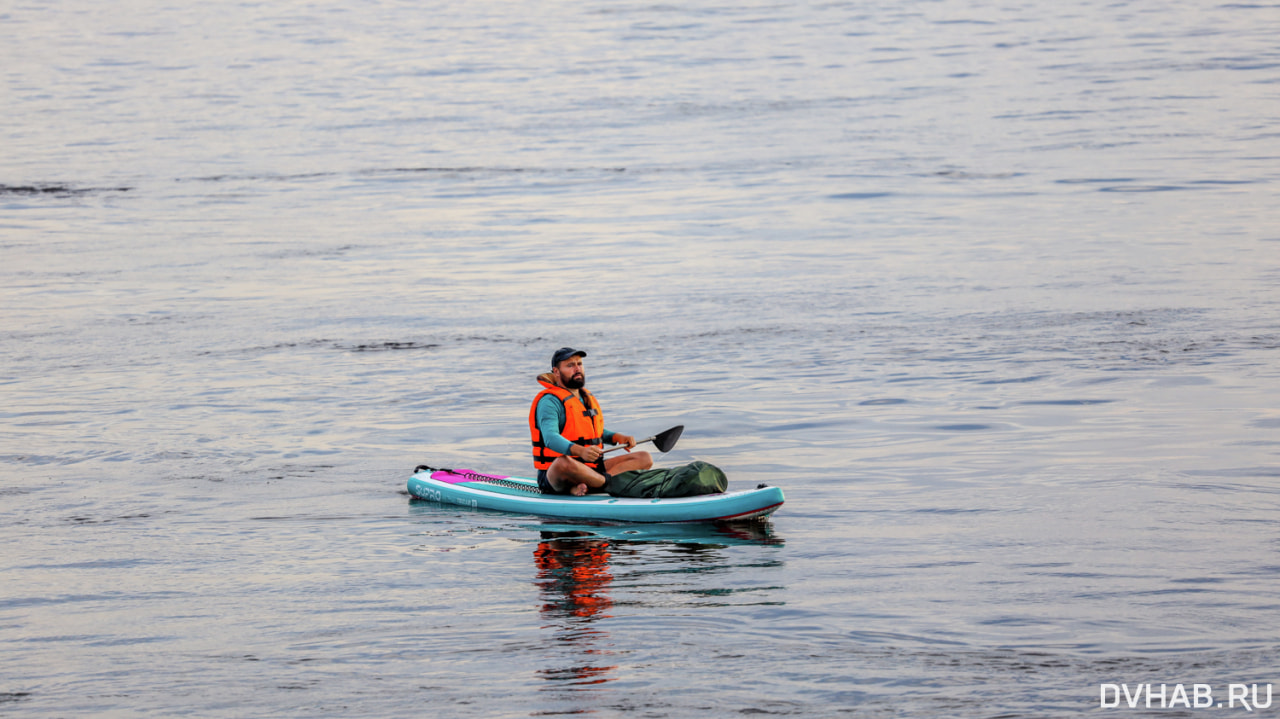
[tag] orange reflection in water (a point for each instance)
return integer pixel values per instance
(574, 579)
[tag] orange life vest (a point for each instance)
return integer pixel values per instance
(583, 422)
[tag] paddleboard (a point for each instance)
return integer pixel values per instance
(467, 488)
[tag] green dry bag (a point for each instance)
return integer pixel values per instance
(683, 481)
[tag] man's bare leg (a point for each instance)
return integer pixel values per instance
(573, 477)
(630, 462)
(569, 476)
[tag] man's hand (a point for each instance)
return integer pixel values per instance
(586, 453)
(626, 439)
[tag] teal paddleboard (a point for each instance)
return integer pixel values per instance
(522, 496)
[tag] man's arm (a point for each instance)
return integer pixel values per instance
(550, 418)
(619, 438)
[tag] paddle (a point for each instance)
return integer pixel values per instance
(664, 440)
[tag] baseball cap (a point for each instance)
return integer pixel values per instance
(565, 353)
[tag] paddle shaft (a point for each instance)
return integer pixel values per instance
(638, 441)
(663, 446)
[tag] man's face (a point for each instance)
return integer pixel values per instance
(571, 374)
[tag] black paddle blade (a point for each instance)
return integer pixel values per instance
(664, 441)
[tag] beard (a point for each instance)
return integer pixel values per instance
(575, 382)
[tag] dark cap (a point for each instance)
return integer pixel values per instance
(565, 353)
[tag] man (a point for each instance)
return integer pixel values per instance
(569, 434)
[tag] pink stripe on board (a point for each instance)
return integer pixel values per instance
(458, 476)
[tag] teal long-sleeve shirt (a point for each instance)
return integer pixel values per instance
(550, 418)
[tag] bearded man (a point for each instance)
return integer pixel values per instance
(569, 435)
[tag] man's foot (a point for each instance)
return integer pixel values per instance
(579, 490)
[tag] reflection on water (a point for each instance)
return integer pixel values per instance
(755, 532)
(576, 567)
(574, 579)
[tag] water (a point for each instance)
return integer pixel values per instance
(990, 291)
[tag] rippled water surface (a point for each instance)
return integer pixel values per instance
(990, 290)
